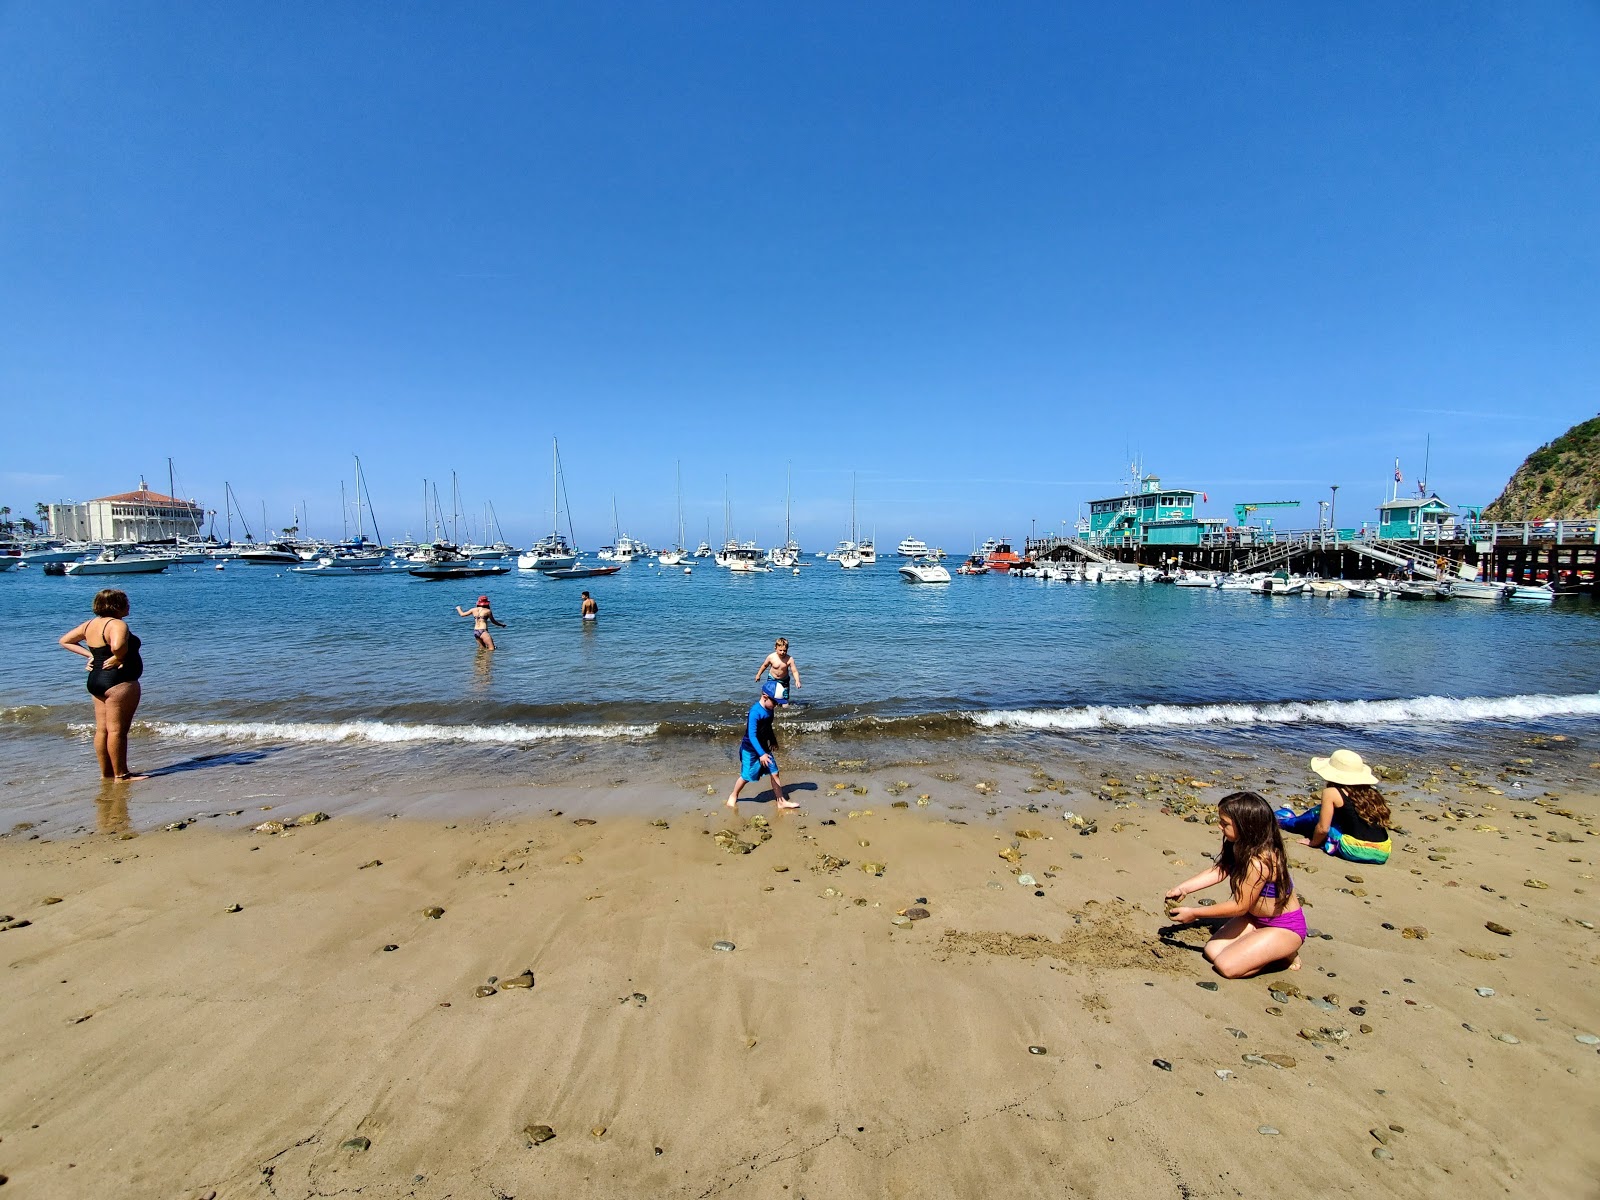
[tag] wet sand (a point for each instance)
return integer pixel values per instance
(157, 1044)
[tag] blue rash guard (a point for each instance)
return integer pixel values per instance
(757, 740)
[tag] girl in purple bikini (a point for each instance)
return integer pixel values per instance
(1266, 924)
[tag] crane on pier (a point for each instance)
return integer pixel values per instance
(1241, 512)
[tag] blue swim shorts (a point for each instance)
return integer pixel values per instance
(751, 768)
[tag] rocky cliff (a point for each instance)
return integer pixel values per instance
(1558, 481)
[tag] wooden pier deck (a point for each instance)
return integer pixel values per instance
(1566, 552)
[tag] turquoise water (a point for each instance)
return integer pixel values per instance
(371, 669)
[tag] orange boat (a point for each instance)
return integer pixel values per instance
(1001, 557)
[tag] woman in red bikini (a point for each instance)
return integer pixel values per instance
(1266, 924)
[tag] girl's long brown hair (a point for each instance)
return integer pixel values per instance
(1256, 841)
(1368, 802)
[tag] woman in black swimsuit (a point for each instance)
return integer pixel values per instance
(114, 668)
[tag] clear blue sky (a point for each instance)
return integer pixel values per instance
(978, 253)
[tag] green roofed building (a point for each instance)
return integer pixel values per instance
(1152, 516)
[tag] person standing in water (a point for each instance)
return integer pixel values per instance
(114, 667)
(482, 617)
(591, 610)
(758, 748)
(785, 672)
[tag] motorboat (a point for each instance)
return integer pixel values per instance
(846, 546)
(1540, 593)
(744, 559)
(850, 560)
(1370, 589)
(56, 554)
(271, 554)
(1279, 583)
(973, 566)
(1000, 556)
(670, 558)
(912, 548)
(489, 553)
(442, 560)
(342, 565)
(1417, 590)
(114, 561)
(867, 551)
(580, 572)
(703, 550)
(1196, 579)
(1331, 588)
(925, 570)
(1477, 589)
(1234, 583)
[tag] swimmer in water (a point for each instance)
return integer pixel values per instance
(482, 617)
(591, 610)
(785, 672)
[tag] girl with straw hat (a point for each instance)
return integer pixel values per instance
(1351, 822)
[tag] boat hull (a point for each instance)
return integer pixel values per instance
(125, 566)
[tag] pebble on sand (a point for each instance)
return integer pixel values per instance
(1587, 1039)
(1509, 1039)
(1379, 1152)
(725, 947)
(51, 900)
(233, 908)
(1267, 1130)
(433, 912)
(1037, 1050)
(357, 1144)
(377, 862)
(1496, 927)
(524, 980)
(1161, 1064)
(538, 1135)
(483, 990)
(573, 860)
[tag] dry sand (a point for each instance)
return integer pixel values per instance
(156, 1044)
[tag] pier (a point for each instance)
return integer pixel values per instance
(1564, 552)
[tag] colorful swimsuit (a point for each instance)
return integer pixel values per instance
(1294, 921)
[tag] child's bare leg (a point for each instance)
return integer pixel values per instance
(1255, 950)
(777, 794)
(1226, 936)
(733, 796)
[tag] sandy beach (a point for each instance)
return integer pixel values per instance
(211, 1011)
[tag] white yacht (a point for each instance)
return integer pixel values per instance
(867, 551)
(912, 548)
(925, 570)
(555, 551)
(850, 560)
(115, 561)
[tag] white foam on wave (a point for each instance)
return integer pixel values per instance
(1415, 710)
(384, 732)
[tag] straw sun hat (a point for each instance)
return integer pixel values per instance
(1343, 766)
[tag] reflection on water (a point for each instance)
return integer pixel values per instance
(111, 807)
(482, 672)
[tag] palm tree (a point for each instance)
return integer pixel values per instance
(5, 519)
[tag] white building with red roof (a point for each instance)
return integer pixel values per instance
(137, 516)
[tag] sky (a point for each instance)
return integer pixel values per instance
(973, 260)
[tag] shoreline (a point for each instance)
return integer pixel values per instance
(832, 1052)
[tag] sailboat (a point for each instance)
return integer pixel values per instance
(673, 557)
(554, 552)
(788, 554)
(849, 554)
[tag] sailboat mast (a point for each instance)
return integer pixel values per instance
(788, 495)
(344, 514)
(680, 504)
(360, 528)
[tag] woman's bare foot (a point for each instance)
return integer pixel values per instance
(1294, 963)
(131, 778)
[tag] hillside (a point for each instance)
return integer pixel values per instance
(1559, 480)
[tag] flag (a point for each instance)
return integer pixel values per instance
(1205, 498)
(1398, 478)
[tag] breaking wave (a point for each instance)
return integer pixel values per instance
(386, 732)
(1425, 710)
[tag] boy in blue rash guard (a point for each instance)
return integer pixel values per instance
(756, 748)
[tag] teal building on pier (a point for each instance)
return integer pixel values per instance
(1152, 516)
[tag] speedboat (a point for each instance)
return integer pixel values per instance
(112, 561)
(1332, 588)
(580, 572)
(912, 548)
(1540, 593)
(867, 551)
(973, 566)
(273, 554)
(1197, 579)
(1475, 589)
(925, 570)
(1370, 589)
(1416, 590)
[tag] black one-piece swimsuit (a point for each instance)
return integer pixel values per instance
(103, 678)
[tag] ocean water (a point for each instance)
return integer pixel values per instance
(378, 678)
